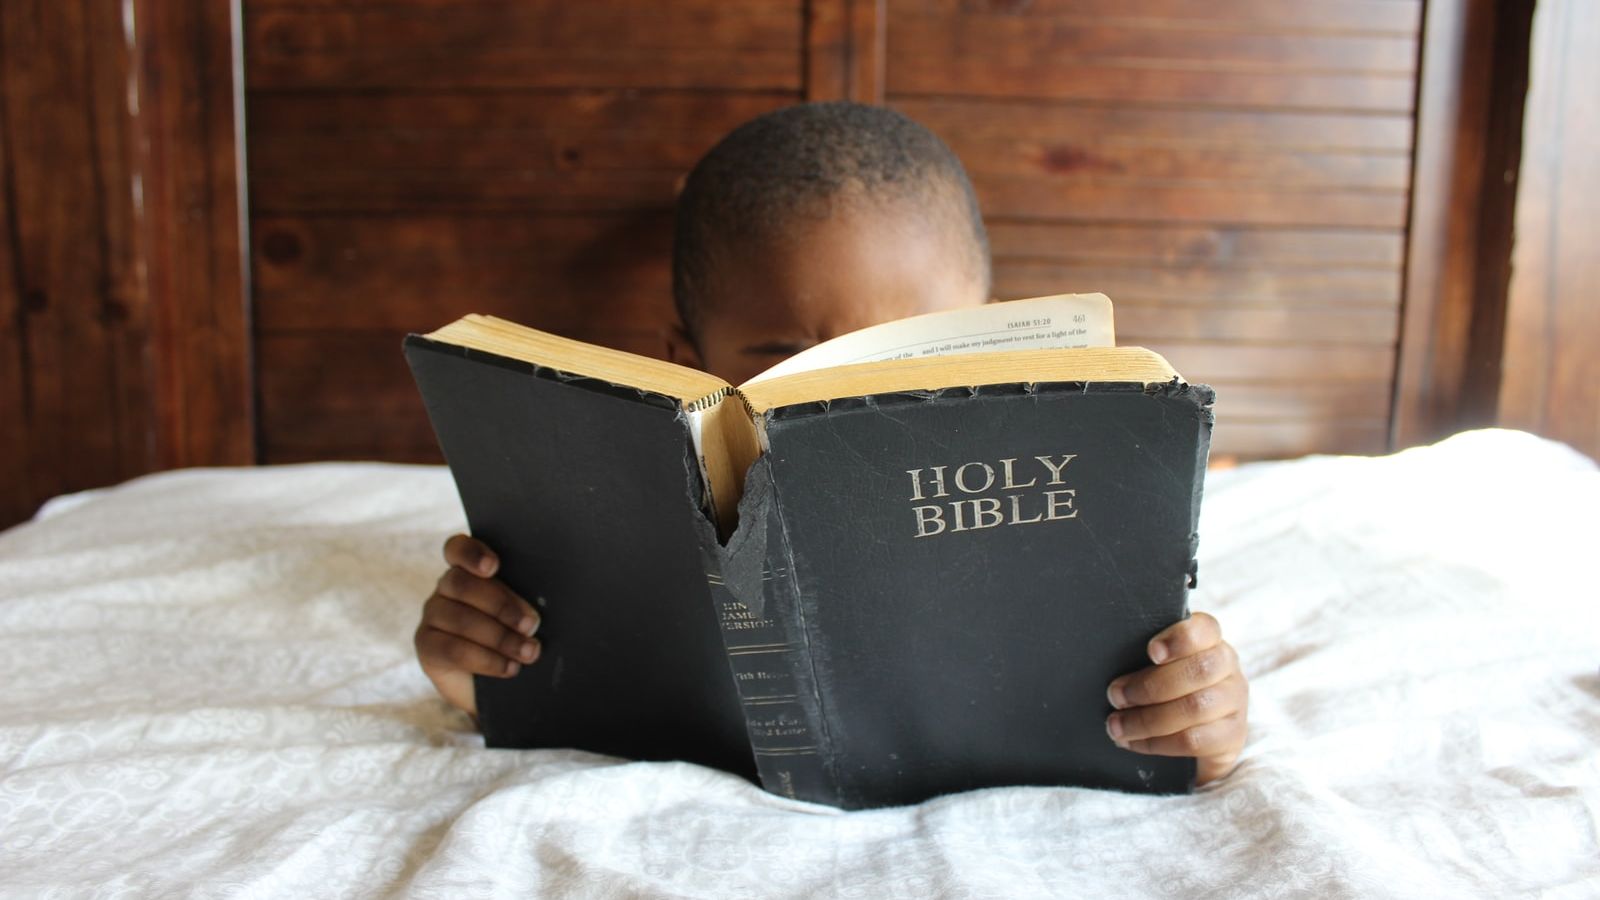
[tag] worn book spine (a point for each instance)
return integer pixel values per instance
(758, 607)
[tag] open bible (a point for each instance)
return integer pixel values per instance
(902, 563)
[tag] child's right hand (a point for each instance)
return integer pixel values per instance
(473, 625)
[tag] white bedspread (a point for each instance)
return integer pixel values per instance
(207, 687)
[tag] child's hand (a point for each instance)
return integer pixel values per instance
(1192, 702)
(473, 624)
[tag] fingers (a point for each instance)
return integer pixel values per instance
(451, 617)
(441, 650)
(1206, 705)
(1194, 634)
(471, 554)
(1174, 679)
(490, 597)
(1192, 702)
(473, 623)
(1217, 742)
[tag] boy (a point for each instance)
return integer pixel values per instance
(803, 224)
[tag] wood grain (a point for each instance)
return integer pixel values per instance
(754, 45)
(567, 151)
(1126, 123)
(1269, 56)
(567, 142)
(1235, 175)
(1098, 200)
(343, 395)
(1044, 42)
(193, 228)
(558, 273)
(1287, 363)
(75, 385)
(1396, 17)
(845, 50)
(1551, 381)
(972, 76)
(1142, 323)
(1289, 438)
(1168, 244)
(1103, 160)
(1206, 287)
(1474, 64)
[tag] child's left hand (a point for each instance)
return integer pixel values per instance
(1192, 702)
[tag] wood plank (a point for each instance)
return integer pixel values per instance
(1063, 61)
(1252, 401)
(1230, 361)
(1080, 200)
(845, 50)
(352, 189)
(505, 115)
(75, 383)
(444, 190)
(1043, 43)
(16, 502)
(1552, 374)
(1400, 17)
(689, 44)
(560, 274)
(191, 174)
(1474, 66)
(583, 150)
(338, 397)
(332, 395)
(1204, 286)
(1142, 323)
(1165, 244)
(1290, 438)
(508, 150)
(975, 77)
(1100, 159)
(1118, 122)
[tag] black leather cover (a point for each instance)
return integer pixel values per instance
(589, 493)
(979, 657)
(857, 639)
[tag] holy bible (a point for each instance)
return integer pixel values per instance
(904, 563)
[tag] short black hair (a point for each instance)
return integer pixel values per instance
(789, 165)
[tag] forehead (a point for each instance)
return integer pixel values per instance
(862, 265)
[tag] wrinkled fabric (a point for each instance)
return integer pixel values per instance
(207, 687)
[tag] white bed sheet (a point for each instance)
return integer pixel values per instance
(207, 688)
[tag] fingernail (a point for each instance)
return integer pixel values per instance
(1115, 695)
(527, 625)
(1114, 728)
(526, 651)
(1158, 652)
(512, 666)
(486, 565)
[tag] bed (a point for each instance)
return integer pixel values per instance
(209, 688)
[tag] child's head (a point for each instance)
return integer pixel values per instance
(815, 220)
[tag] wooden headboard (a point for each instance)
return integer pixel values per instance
(1236, 177)
(1293, 200)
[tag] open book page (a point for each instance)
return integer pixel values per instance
(1044, 323)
